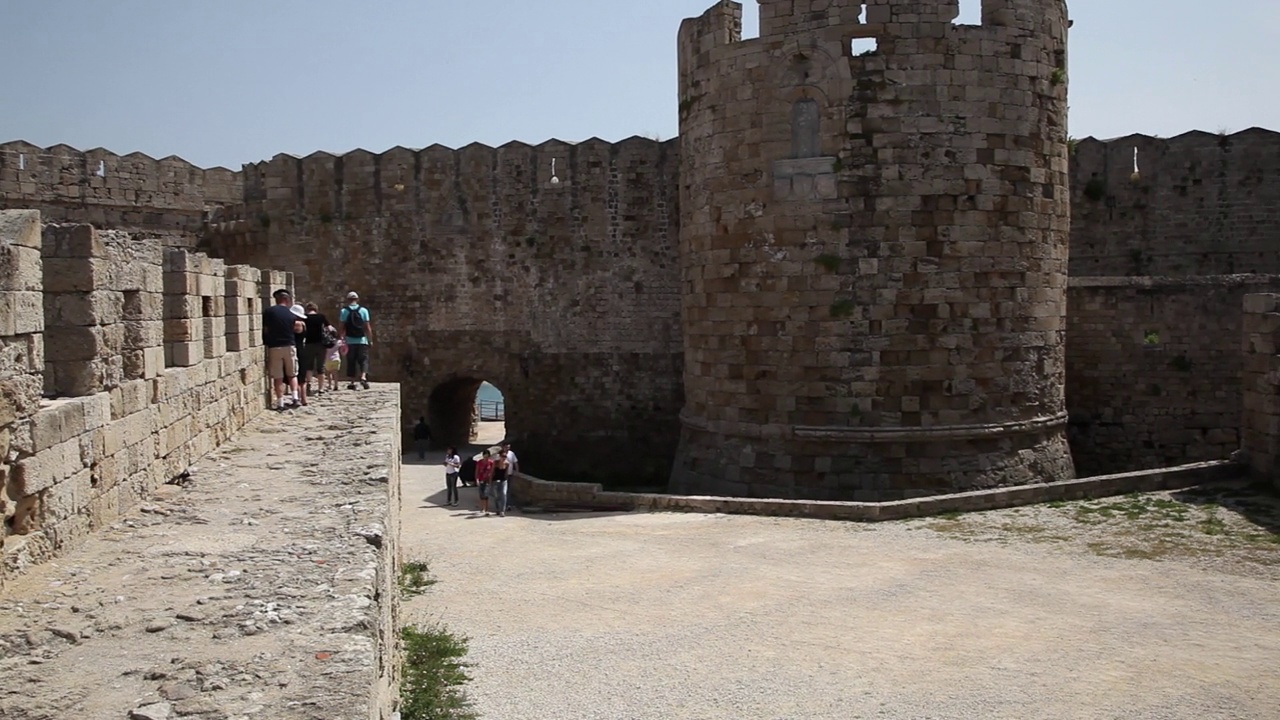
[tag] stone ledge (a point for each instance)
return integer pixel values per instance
(534, 491)
(1163, 282)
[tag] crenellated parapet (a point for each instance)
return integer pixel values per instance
(1199, 203)
(167, 197)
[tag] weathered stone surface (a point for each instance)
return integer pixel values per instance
(914, 345)
(243, 592)
(1154, 369)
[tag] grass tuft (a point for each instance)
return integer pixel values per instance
(415, 578)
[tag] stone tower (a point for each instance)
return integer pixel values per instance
(874, 249)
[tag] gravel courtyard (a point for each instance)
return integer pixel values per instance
(1136, 608)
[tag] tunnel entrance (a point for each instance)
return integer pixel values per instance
(464, 411)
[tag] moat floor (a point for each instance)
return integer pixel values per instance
(1147, 607)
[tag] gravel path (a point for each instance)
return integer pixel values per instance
(701, 616)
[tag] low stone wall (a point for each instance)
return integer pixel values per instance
(115, 375)
(534, 492)
(264, 585)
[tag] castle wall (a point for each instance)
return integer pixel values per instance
(1154, 369)
(91, 419)
(1202, 204)
(1260, 421)
(477, 265)
(874, 249)
(165, 199)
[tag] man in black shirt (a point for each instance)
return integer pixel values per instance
(278, 327)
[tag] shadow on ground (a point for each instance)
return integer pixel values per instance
(1257, 502)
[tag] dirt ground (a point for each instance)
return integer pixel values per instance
(1157, 606)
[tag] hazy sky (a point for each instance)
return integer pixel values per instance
(223, 82)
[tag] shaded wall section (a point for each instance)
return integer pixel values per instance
(1154, 368)
(550, 271)
(1201, 204)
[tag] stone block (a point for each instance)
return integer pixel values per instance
(179, 260)
(142, 334)
(70, 343)
(183, 354)
(76, 275)
(183, 307)
(21, 228)
(181, 283)
(21, 313)
(21, 268)
(152, 361)
(56, 422)
(100, 307)
(46, 468)
(183, 330)
(72, 241)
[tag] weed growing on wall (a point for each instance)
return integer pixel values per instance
(435, 673)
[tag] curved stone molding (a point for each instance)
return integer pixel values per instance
(929, 434)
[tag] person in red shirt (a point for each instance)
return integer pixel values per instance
(484, 474)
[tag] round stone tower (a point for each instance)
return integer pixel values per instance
(874, 222)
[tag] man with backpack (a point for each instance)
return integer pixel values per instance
(356, 329)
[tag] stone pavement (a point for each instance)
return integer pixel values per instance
(255, 589)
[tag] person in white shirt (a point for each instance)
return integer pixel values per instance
(452, 466)
(513, 467)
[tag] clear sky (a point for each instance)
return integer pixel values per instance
(223, 82)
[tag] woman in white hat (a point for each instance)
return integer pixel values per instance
(299, 341)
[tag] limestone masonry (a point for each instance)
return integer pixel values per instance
(873, 267)
(121, 362)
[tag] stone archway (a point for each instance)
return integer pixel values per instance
(452, 409)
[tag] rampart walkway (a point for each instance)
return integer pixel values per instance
(254, 590)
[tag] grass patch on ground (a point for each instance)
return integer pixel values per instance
(435, 675)
(1238, 523)
(415, 578)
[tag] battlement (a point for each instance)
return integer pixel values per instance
(121, 362)
(166, 197)
(1196, 204)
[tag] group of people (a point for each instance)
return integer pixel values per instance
(493, 475)
(302, 346)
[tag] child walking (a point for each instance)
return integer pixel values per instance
(333, 363)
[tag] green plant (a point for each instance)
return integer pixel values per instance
(1058, 77)
(687, 104)
(837, 165)
(434, 676)
(1072, 144)
(415, 577)
(264, 220)
(842, 308)
(1182, 363)
(827, 262)
(326, 218)
(1095, 189)
(1151, 337)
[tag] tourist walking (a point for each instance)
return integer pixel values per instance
(452, 465)
(333, 360)
(513, 469)
(314, 351)
(422, 437)
(279, 325)
(499, 485)
(484, 478)
(300, 349)
(357, 329)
